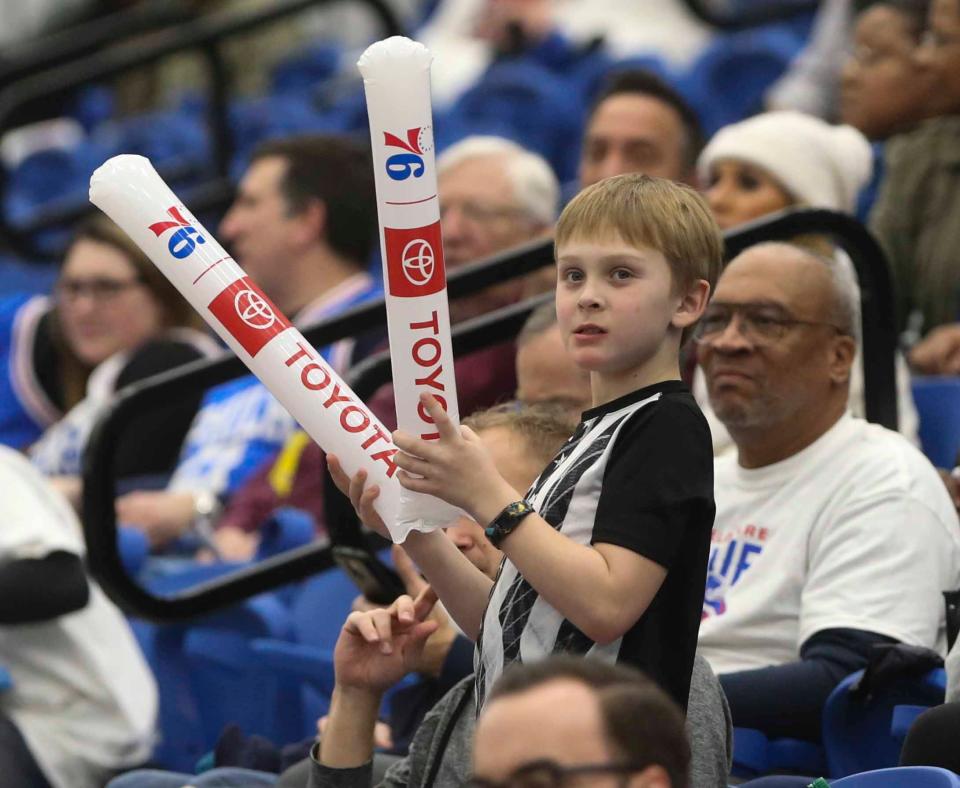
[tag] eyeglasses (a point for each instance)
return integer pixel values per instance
(98, 289)
(549, 774)
(760, 324)
(482, 214)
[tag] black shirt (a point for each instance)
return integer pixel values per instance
(637, 473)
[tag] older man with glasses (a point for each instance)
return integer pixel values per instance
(832, 534)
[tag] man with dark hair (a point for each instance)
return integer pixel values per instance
(640, 124)
(302, 226)
(571, 717)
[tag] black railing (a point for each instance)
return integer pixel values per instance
(99, 518)
(204, 35)
(762, 12)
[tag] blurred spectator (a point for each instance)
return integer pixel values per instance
(119, 320)
(785, 159)
(883, 89)
(640, 124)
(302, 227)
(575, 718)
(831, 534)
(83, 702)
(545, 371)
(494, 194)
(915, 215)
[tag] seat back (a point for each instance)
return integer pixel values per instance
(912, 776)
(938, 405)
(857, 733)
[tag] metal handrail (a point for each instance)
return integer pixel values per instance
(204, 35)
(100, 527)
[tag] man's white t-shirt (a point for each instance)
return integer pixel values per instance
(856, 531)
(82, 697)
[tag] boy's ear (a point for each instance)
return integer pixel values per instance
(692, 304)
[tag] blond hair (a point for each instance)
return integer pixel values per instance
(543, 427)
(653, 213)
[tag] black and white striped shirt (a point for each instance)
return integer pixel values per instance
(637, 473)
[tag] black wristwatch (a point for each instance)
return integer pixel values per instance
(504, 523)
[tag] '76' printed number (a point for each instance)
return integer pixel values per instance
(401, 166)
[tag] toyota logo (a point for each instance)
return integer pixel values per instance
(253, 310)
(418, 261)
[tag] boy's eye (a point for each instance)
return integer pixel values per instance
(571, 275)
(622, 274)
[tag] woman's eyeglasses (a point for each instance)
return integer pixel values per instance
(99, 289)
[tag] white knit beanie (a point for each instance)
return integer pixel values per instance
(820, 165)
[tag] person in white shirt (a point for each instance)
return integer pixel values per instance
(83, 702)
(831, 534)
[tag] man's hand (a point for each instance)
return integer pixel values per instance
(938, 353)
(161, 515)
(235, 544)
(456, 468)
(378, 648)
(435, 650)
(360, 496)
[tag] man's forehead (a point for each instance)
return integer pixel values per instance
(777, 275)
(264, 175)
(635, 116)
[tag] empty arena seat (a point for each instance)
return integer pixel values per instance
(938, 406)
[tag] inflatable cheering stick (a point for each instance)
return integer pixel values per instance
(129, 191)
(396, 79)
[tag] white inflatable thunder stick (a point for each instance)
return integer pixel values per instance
(396, 79)
(129, 191)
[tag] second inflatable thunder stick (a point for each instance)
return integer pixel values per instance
(129, 191)
(396, 79)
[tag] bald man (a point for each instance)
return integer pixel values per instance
(832, 534)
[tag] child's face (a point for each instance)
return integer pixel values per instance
(615, 303)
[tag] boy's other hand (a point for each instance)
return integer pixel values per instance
(360, 496)
(378, 648)
(456, 468)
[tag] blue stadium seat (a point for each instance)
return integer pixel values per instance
(6, 681)
(286, 529)
(754, 754)
(938, 405)
(317, 614)
(729, 79)
(305, 69)
(523, 102)
(902, 777)
(227, 683)
(858, 733)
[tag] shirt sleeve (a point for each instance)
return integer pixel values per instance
(658, 483)
(880, 565)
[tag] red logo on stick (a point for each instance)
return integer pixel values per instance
(415, 261)
(248, 315)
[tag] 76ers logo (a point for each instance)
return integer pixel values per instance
(181, 243)
(401, 166)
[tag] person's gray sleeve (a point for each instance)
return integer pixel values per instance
(812, 81)
(710, 728)
(952, 665)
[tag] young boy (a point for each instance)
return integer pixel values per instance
(606, 554)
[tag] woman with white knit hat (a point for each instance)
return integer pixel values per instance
(781, 160)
